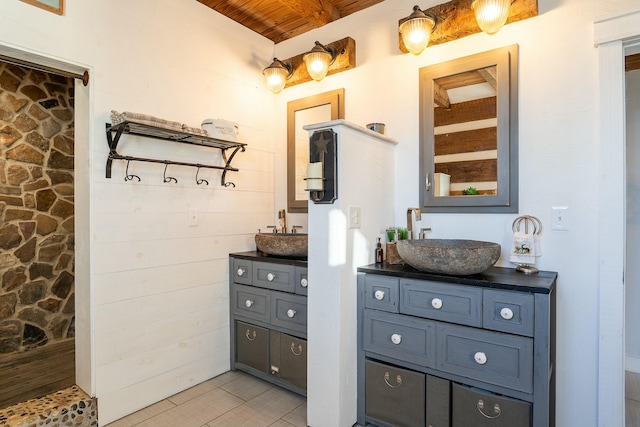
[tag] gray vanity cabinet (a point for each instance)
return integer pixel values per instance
(268, 318)
(445, 351)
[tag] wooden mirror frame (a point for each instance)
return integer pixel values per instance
(506, 200)
(335, 99)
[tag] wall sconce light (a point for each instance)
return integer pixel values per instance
(460, 18)
(319, 59)
(322, 179)
(339, 56)
(276, 75)
(416, 30)
(491, 14)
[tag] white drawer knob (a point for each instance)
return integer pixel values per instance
(291, 312)
(248, 303)
(379, 295)
(480, 358)
(240, 272)
(271, 277)
(396, 339)
(506, 313)
(304, 282)
(436, 303)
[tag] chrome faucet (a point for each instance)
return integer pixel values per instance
(409, 221)
(282, 217)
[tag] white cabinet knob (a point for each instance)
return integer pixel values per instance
(436, 303)
(396, 339)
(480, 358)
(291, 312)
(379, 295)
(304, 282)
(240, 272)
(271, 277)
(248, 303)
(506, 313)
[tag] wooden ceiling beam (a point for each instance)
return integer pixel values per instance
(440, 96)
(316, 12)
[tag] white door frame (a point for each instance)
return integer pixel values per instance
(610, 36)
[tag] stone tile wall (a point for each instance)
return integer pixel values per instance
(36, 208)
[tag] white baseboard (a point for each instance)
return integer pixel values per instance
(632, 364)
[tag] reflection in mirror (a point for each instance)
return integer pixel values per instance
(469, 133)
(465, 134)
(301, 112)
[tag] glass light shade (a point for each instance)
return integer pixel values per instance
(317, 64)
(276, 75)
(491, 14)
(275, 78)
(416, 31)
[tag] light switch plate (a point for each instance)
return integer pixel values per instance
(560, 218)
(355, 216)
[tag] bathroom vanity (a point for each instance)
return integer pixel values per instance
(455, 351)
(268, 318)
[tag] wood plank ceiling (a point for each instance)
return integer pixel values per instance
(279, 20)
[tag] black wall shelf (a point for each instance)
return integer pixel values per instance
(115, 132)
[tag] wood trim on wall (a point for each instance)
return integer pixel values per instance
(37, 372)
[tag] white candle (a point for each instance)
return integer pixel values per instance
(314, 170)
(314, 184)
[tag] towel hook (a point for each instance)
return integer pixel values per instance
(128, 176)
(168, 178)
(200, 181)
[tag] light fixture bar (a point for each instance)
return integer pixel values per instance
(345, 60)
(456, 19)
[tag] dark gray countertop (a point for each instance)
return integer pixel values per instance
(261, 256)
(495, 277)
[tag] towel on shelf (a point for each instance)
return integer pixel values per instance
(524, 248)
(143, 119)
(194, 131)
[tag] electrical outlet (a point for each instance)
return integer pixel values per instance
(192, 219)
(560, 218)
(355, 216)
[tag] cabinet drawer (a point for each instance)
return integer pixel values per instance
(289, 311)
(508, 312)
(242, 271)
(394, 395)
(381, 293)
(474, 407)
(492, 357)
(289, 358)
(252, 343)
(251, 302)
(400, 337)
(274, 276)
(442, 301)
(302, 281)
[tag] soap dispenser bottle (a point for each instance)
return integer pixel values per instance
(379, 252)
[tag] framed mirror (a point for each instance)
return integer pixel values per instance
(469, 134)
(319, 108)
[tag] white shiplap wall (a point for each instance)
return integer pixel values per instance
(157, 289)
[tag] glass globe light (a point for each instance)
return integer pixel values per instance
(276, 75)
(491, 14)
(318, 60)
(416, 31)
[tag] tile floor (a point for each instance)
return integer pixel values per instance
(632, 399)
(231, 399)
